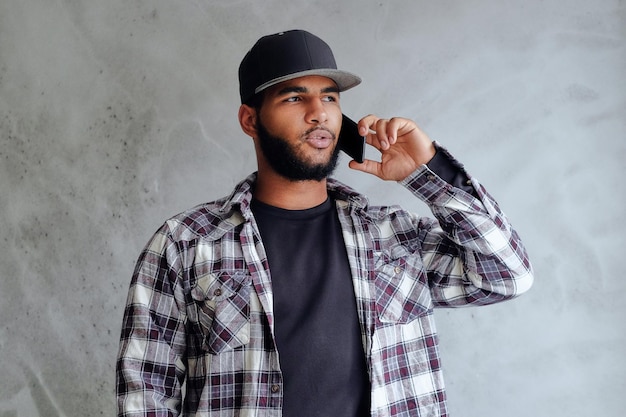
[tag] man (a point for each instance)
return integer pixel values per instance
(293, 296)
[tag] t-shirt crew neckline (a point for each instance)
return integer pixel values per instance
(304, 214)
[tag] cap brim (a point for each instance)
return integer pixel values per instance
(345, 80)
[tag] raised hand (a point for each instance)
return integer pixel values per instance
(403, 146)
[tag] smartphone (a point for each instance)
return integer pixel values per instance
(350, 141)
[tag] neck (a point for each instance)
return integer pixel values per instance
(280, 192)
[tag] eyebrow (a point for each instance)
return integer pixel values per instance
(300, 89)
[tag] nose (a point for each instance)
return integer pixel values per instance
(316, 113)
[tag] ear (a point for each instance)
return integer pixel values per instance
(247, 120)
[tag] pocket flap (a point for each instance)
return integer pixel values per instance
(402, 291)
(223, 310)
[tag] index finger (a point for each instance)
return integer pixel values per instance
(375, 130)
(368, 123)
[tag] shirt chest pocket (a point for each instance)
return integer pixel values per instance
(402, 292)
(221, 310)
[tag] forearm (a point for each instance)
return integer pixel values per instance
(472, 253)
(451, 171)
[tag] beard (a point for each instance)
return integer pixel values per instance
(284, 159)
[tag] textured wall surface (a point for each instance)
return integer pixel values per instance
(115, 115)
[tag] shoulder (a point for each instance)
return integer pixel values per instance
(393, 217)
(206, 220)
(213, 219)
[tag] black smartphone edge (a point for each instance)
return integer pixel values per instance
(350, 141)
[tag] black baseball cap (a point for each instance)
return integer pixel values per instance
(287, 55)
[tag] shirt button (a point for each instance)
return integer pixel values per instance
(397, 269)
(217, 292)
(275, 388)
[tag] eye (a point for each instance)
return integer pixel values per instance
(330, 98)
(292, 99)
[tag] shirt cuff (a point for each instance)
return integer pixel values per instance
(450, 170)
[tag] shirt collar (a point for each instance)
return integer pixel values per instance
(241, 197)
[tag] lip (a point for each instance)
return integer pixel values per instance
(320, 138)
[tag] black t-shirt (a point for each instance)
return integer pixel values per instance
(316, 324)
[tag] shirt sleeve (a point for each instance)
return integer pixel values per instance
(471, 252)
(451, 171)
(150, 366)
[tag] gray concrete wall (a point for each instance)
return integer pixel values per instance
(115, 115)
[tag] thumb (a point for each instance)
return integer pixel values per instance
(369, 166)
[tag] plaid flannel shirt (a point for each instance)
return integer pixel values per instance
(199, 319)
